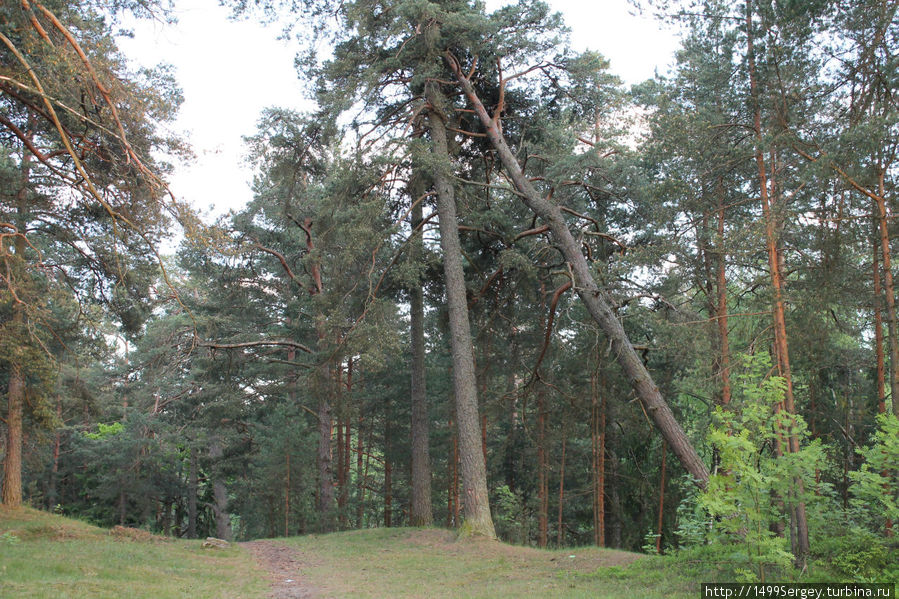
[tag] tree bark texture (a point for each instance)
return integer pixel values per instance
(889, 293)
(721, 312)
(421, 510)
(325, 504)
(878, 332)
(12, 462)
(596, 300)
(478, 520)
(220, 495)
(11, 494)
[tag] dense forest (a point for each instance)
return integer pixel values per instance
(483, 285)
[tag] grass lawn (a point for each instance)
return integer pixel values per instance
(46, 556)
(432, 563)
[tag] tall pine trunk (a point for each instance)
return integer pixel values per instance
(478, 520)
(889, 291)
(421, 509)
(598, 438)
(324, 461)
(560, 536)
(880, 382)
(12, 462)
(542, 486)
(219, 494)
(721, 311)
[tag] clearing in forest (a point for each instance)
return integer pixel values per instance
(43, 556)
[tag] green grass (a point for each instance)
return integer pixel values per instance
(407, 563)
(46, 556)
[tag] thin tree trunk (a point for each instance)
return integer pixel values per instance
(616, 511)
(478, 520)
(889, 292)
(219, 494)
(878, 347)
(455, 489)
(542, 487)
(287, 494)
(598, 428)
(661, 502)
(721, 312)
(347, 450)
(192, 491)
(360, 476)
(421, 509)
(880, 383)
(561, 529)
(167, 517)
(52, 493)
(122, 507)
(367, 464)
(799, 523)
(388, 494)
(596, 300)
(451, 479)
(325, 503)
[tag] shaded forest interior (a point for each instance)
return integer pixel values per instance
(484, 285)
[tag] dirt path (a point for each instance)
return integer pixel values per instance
(285, 567)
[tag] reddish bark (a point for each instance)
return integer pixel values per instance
(889, 291)
(721, 312)
(878, 334)
(11, 496)
(800, 540)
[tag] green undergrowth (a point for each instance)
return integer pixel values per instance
(47, 556)
(433, 563)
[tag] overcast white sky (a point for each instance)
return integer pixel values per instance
(230, 70)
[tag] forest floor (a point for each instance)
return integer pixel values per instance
(433, 563)
(43, 556)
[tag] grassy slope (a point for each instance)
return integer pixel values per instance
(46, 556)
(430, 563)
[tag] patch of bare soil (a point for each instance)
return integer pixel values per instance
(584, 559)
(285, 569)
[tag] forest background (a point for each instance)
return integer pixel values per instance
(480, 284)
